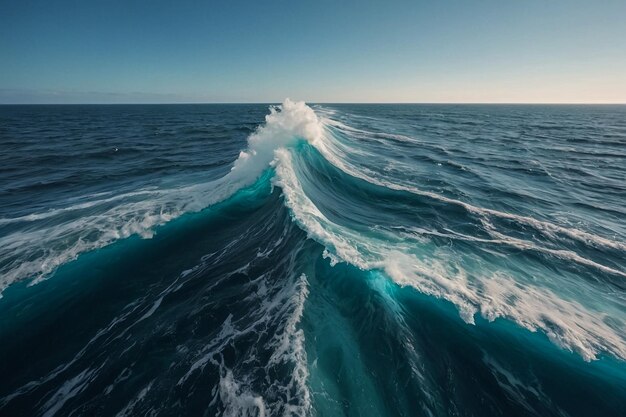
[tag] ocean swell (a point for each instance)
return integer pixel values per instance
(366, 260)
(34, 246)
(294, 142)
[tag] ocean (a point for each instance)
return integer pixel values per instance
(322, 260)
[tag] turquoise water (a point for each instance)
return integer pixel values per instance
(358, 260)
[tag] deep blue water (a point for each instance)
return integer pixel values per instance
(331, 260)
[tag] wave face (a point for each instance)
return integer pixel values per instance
(318, 260)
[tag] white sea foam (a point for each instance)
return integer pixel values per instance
(501, 239)
(37, 250)
(294, 121)
(40, 245)
(568, 323)
(287, 347)
(279, 299)
(81, 206)
(237, 400)
(68, 390)
(334, 154)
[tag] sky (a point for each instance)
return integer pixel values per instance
(140, 51)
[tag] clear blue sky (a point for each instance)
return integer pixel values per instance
(319, 51)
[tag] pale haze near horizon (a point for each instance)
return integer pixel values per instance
(433, 52)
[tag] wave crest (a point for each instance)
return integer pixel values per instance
(37, 244)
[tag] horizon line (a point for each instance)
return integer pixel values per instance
(556, 103)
